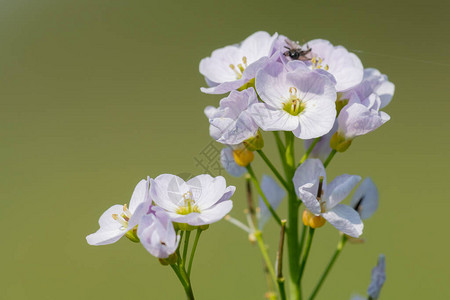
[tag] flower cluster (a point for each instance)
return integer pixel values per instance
(161, 207)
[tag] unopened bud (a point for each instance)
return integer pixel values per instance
(311, 220)
(254, 143)
(243, 157)
(339, 143)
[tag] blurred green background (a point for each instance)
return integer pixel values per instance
(96, 95)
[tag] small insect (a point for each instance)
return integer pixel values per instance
(296, 52)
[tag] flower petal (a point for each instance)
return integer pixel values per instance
(140, 194)
(365, 199)
(207, 190)
(345, 219)
(228, 162)
(270, 119)
(339, 189)
(309, 172)
(167, 191)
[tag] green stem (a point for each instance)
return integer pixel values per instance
(302, 241)
(292, 231)
(185, 249)
(305, 256)
(184, 279)
(258, 188)
(265, 254)
(272, 167)
(194, 247)
(338, 251)
(329, 158)
(279, 262)
(308, 152)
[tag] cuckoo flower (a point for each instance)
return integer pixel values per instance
(323, 201)
(230, 165)
(345, 66)
(274, 194)
(200, 201)
(377, 279)
(231, 123)
(120, 220)
(365, 199)
(299, 100)
(157, 234)
(231, 67)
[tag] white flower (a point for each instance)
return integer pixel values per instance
(157, 234)
(377, 279)
(365, 199)
(299, 100)
(274, 194)
(231, 67)
(306, 181)
(119, 220)
(231, 123)
(345, 66)
(200, 201)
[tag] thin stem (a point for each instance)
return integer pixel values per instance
(251, 207)
(272, 167)
(279, 262)
(281, 150)
(305, 256)
(237, 223)
(302, 241)
(338, 251)
(265, 254)
(258, 188)
(184, 279)
(185, 249)
(329, 158)
(308, 152)
(194, 247)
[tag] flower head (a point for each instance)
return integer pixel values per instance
(200, 201)
(231, 67)
(298, 100)
(119, 220)
(231, 123)
(322, 200)
(157, 234)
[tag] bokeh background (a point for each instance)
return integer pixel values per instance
(96, 95)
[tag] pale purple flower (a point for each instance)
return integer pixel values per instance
(301, 101)
(365, 199)
(200, 201)
(343, 65)
(230, 165)
(118, 220)
(378, 278)
(274, 194)
(157, 234)
(360, 116)
(342, 217)
(232, 123)
(231, 67)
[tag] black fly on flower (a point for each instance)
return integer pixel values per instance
(295, 51)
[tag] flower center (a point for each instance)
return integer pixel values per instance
(294, 105)
(189, 205)
(123, 218)
(317, 64)
(239, 68)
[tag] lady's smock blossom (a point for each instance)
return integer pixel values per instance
(200, 201)
(300, 100)
(343, 217)
(232, 123)
(231, 67)
(119, 220)
(157, 234)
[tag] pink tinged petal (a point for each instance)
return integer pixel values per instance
(339, 189)
(228, 162)
(365, 199)
(378, 278)
(272, 86)
(258, 45)
(217, 67)
(139, 212)
(309, 199)
(380, 84)
(207, 190)
(309, 172)
(345, 219)
(140, 194)
(224, 87)
(110, 230)
(274, 194)
(207, 216)
(270, 119)
(356, 119)
(167, 191)
(358, 297)
(229, 192)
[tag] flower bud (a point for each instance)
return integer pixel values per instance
(339, 143)
(310, 219)
(243, 157)
(254, 143)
